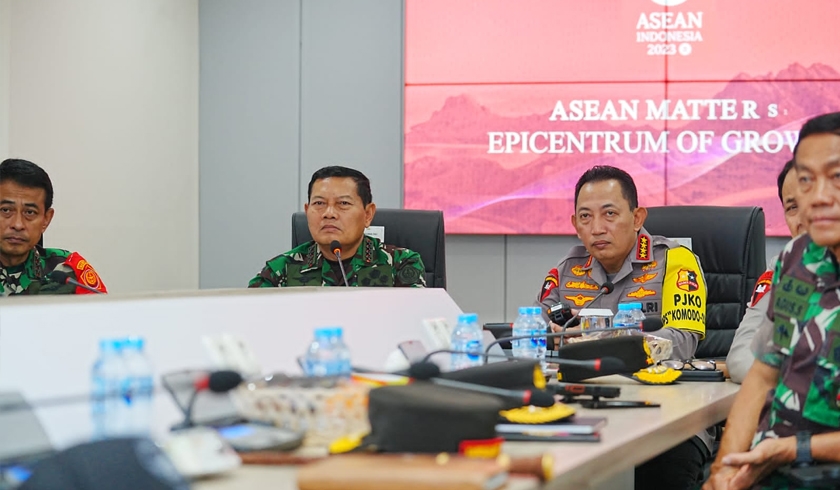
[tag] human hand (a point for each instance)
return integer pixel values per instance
(720, 477)
(759, 462)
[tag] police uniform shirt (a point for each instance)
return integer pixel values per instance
(665, 277)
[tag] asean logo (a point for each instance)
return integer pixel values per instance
(668, 3)
(687, 280)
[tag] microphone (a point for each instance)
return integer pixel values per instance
(630, 350)
(606, 288)
(335, 248)
(608, 363)
(648, 325)
(429, 371)
(65, 278)
(216, 382)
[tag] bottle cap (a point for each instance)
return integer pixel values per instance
(468, 318)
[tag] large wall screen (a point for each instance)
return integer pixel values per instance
(508, 102)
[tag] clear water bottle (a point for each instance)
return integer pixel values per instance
(538, 327)
(522, 326)
(322, 358)
(345, 365)
(467, 337)
(638, 314)
(107, 408)
(138, 387)
(624, 318)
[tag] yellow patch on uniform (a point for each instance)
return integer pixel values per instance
(581, 285)
(650, 266)
(643, 247)
(645, 277)
(580, 299)
(578, 270)
(641, 293)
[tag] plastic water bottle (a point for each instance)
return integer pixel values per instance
(107, 375)
(638, 314)
(624, 318)
(322, 357)
(345, 364)
(538, 327)
(138, 388)
(467, 338)
(522, 326)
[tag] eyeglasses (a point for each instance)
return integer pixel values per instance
(691, 364)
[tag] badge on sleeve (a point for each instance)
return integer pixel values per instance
(762, 287)
(551, 282)
(85, 274)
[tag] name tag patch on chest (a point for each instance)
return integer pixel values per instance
(792, 297)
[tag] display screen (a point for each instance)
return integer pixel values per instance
(508, 103)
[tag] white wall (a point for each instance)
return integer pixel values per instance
(103, 94)
(4, 77)
(288, 86)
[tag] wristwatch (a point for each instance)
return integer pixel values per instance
(803, 449)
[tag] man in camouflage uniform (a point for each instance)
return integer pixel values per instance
(664, 276)
(788, 408)
(339, 208)
(26, 196)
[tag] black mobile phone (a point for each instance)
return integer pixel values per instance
(616, 404)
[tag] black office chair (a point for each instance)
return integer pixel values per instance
(730, 244)
(420, 231)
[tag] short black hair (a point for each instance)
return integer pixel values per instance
(27, 174)
(362, 182)
(780, 181)
(600, 173)
(826, 123)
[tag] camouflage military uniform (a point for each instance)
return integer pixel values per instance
(800, 337)
(31, 277)
(374, 264)
(663, 276)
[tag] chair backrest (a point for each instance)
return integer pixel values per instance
(730, 244)
(418, 230)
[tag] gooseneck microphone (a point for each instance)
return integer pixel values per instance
(429, 371)
(648, 325)
(335, 248)
(595, 365)
(65, 278)
(216, 382)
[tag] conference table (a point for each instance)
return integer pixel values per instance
(631, 436)
(47, 347)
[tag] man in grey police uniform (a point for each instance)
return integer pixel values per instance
(740, 356)
(664, 276)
